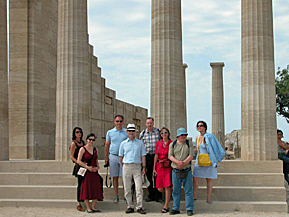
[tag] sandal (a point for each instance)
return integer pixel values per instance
(164, 210)
(80, 208)
(95, 210)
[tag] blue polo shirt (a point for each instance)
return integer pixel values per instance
(132, 151)
(115, 137)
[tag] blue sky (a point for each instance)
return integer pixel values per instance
(120, 34)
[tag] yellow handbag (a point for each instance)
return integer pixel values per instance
(204, 160)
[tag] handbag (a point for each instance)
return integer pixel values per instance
(164, 163)
(204, 160)
(182, 174)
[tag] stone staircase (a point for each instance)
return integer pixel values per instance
(241, 185)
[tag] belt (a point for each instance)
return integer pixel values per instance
(150, 154)
(114, 154)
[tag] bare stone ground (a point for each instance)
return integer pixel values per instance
(53, 212)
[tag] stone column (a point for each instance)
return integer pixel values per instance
(4, 147)
(168, 90)
(72, 98)
(258, 82)
(218, 125)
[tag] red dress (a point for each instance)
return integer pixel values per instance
(164, 175)
(91, 186)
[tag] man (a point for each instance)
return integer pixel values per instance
(150, 136)
(132, 155)
(181, 155)
(113, 139)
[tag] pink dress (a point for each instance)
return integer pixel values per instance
(164, 175)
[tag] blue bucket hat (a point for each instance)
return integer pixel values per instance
(181, 131)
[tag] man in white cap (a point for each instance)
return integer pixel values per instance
(181, 154)
(132, 156)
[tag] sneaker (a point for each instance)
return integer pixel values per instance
(141, 211)
(116, 199)
(129, 210)
(190, 212)
(174, 212)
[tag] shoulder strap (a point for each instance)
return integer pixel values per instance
(187, 142)
(174, 143)
(89, 161)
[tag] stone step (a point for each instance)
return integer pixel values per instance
(224, 179)
(224, 193)
(153, 207)
(227, 166)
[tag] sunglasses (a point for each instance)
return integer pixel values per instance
(92, 140)
(183, 134)
(164, 132)
(118, 121)
(78, 132)
(131, 131)
(200, 125)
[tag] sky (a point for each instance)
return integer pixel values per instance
(120, 32)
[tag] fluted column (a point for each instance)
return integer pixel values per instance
(218, 125)
(258, 82)
(72, 98)
(4, 146)
(168, 90)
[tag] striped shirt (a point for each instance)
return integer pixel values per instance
(150, 139)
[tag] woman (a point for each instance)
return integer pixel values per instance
(77, 143)
(206, 144)
(163, 173)
(91, 184)
(283, 154)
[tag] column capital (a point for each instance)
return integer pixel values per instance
(222, 64)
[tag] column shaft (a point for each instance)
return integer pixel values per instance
(4, 147)
(73, 86)
(218, 125)
(258, 82)
(168, 85)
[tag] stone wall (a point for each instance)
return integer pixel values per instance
(104, 106)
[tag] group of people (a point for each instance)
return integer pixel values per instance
(166, 163)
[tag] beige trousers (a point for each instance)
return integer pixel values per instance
(132, 171)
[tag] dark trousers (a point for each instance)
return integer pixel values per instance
(79, 181)
(285, 160)
(154, 194)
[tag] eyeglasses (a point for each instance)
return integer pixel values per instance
(164, 132)
(131, 131)
(92, 140)
(118, 121)
(78, 132)
(200, 125)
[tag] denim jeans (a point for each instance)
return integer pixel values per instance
(188, 187)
